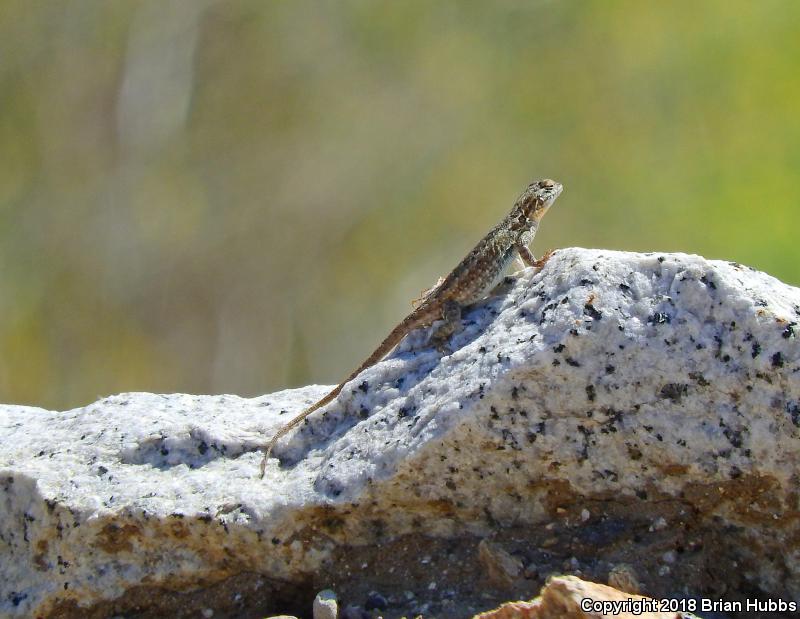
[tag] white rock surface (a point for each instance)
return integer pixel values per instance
(610, 374)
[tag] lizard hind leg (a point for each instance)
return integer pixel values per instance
(426, 293)
(451, 314)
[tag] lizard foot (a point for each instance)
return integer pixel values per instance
(539, 264)
(443, 346)
(451, 323)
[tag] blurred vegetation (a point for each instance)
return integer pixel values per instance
(244, 196)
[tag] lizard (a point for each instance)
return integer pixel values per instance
(474, 277)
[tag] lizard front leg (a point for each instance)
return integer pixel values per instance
(530, 260)
(451, 314)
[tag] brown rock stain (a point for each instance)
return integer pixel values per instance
(114, 538)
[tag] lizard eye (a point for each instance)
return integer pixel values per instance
(546, 184)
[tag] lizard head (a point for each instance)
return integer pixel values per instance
(534, 202)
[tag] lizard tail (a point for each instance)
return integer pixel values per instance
(393, 339)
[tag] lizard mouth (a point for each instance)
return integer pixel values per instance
(556, 189)
(552, 191)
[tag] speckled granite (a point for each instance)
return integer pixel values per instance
(607, 376)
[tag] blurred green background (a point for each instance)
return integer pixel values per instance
(244, 196)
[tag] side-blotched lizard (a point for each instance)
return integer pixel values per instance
(474, 277)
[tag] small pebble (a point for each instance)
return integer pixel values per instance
(502, 569)
(325, 605)
(531, 571)
(351, 611)
(585, 515)
(375, 601)
(624, 577)
(574, 563)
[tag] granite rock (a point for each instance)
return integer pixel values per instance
(608, 378)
